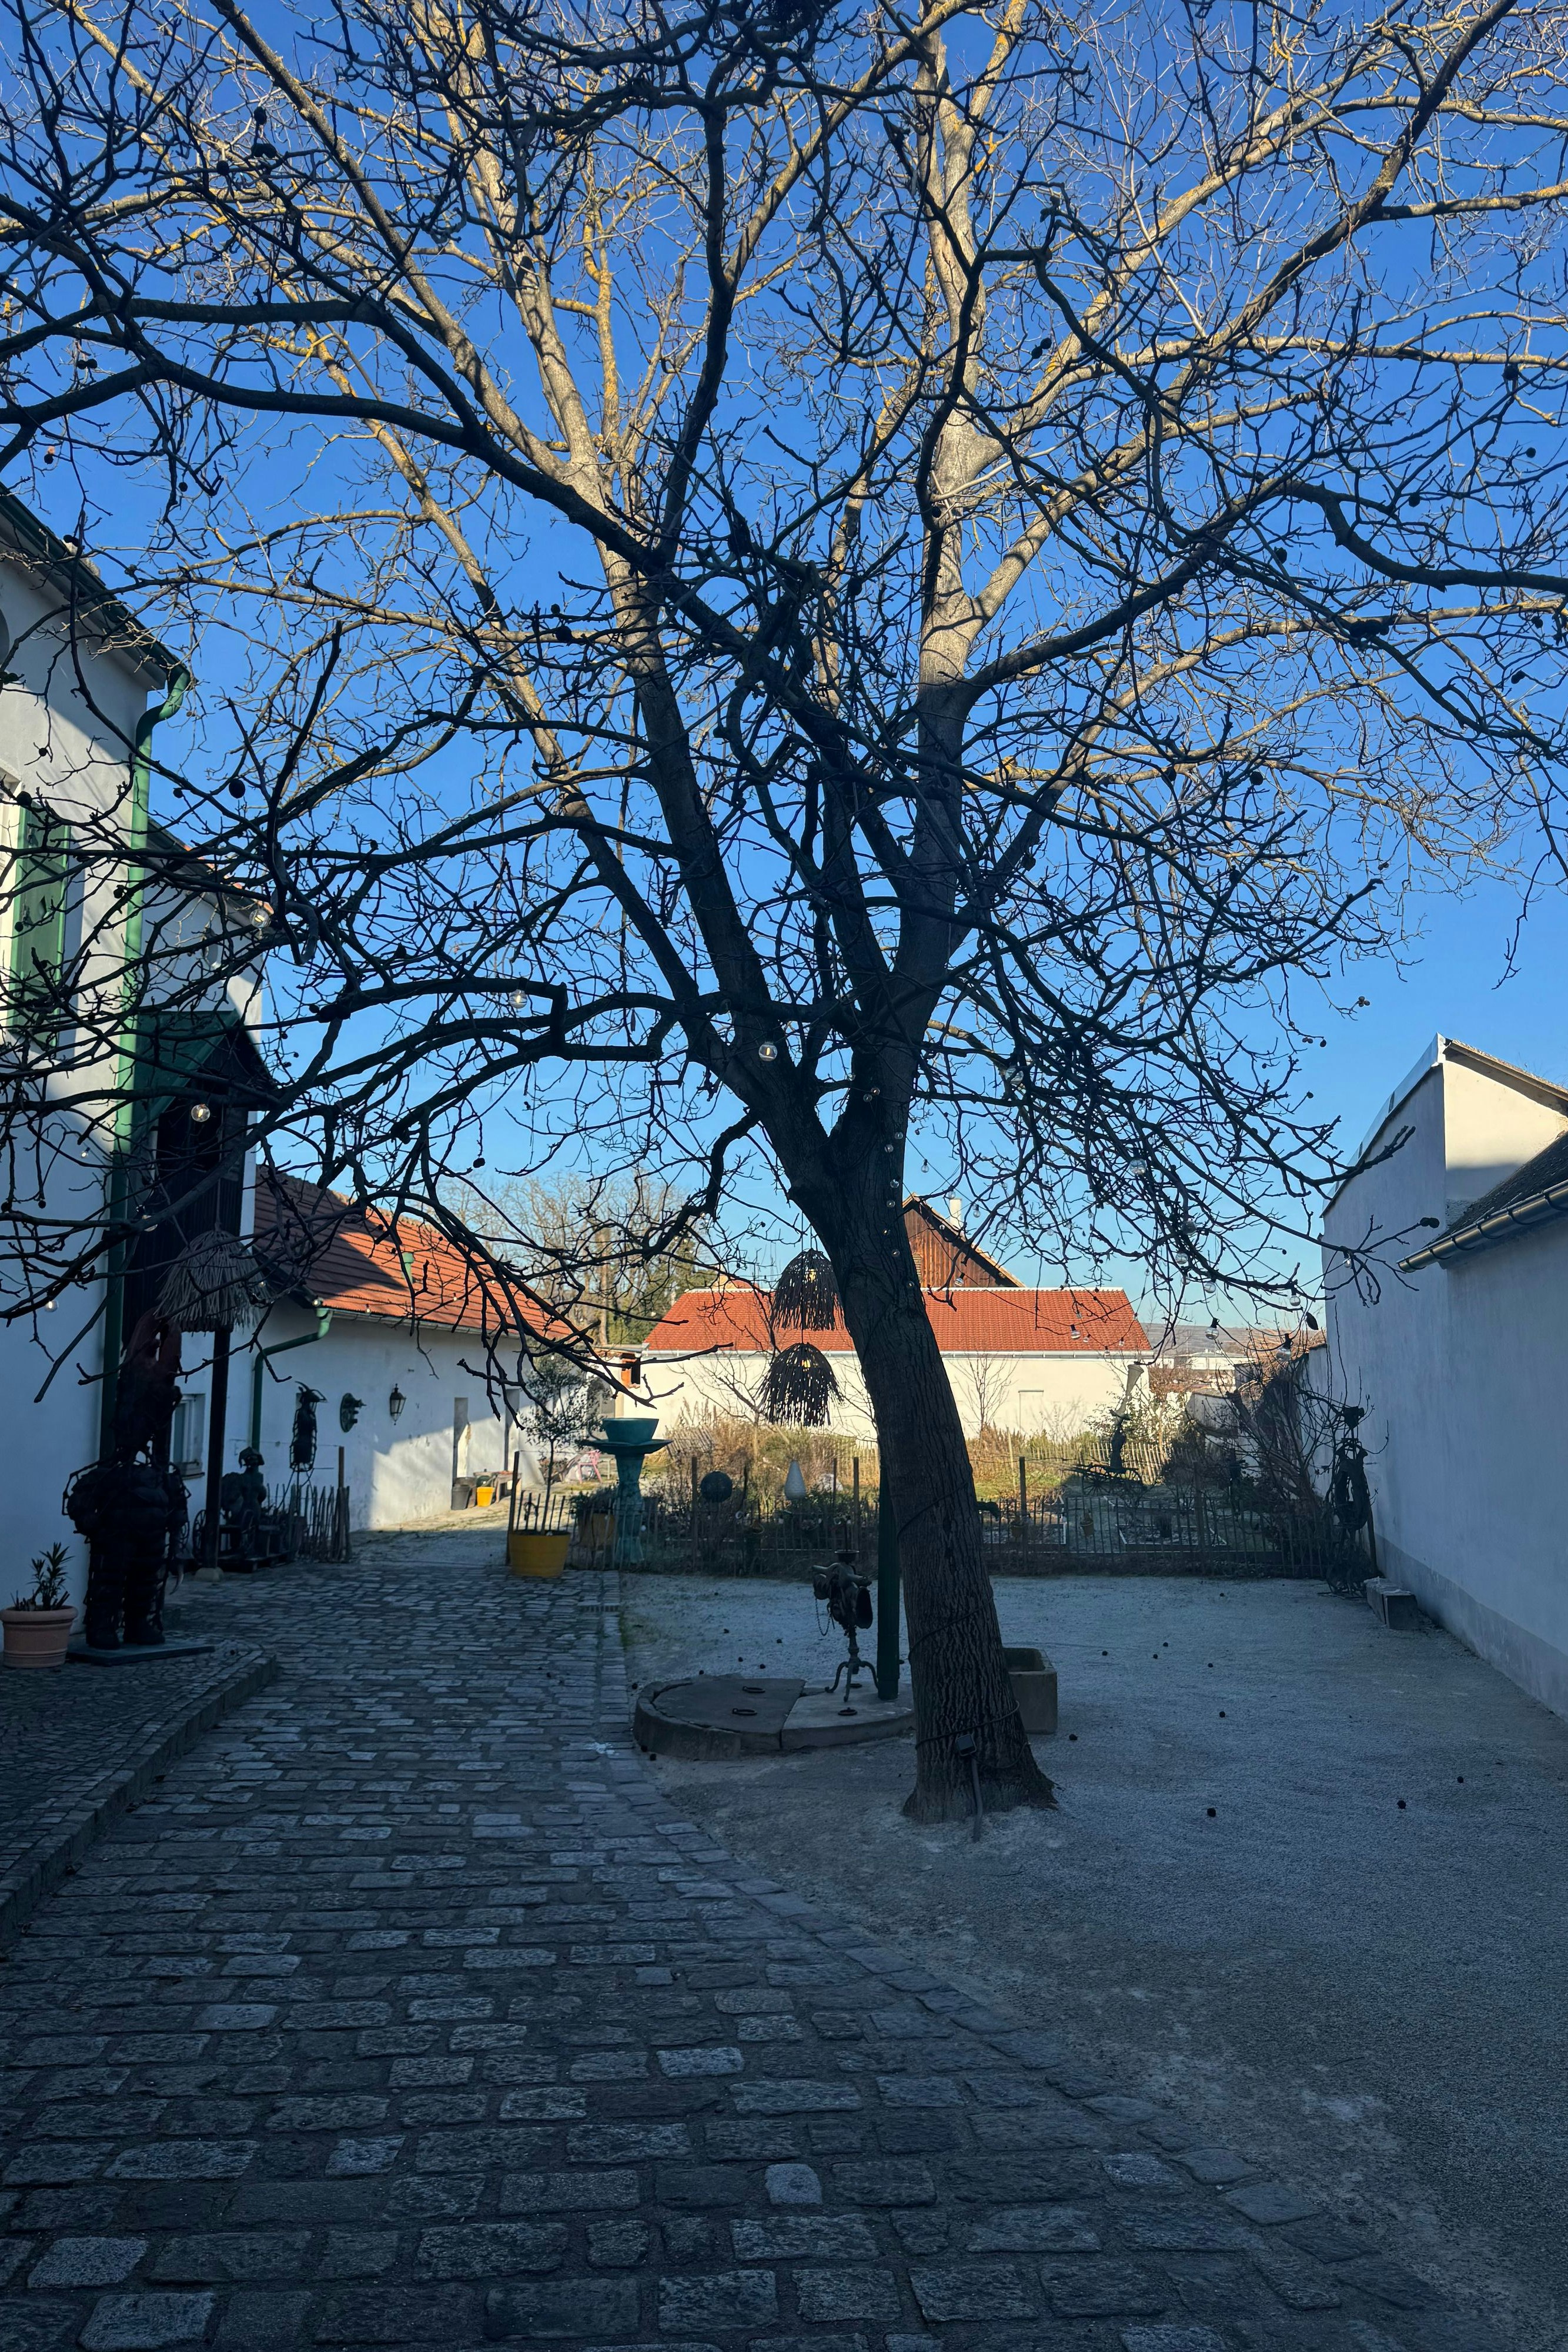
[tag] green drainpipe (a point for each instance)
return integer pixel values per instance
(281, 1348)
(124, 1107)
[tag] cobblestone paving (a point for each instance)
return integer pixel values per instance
(75, 1741)
(409, 2013)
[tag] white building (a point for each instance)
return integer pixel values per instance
(1048, 1362)
(1455, 1339)
(89, 1094)
(393, 1330)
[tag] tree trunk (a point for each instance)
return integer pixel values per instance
(954, 1645)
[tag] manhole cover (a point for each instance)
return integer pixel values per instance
(752, 1690)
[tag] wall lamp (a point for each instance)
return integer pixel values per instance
(396, 1402)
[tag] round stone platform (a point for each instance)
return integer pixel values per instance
(722, 1716)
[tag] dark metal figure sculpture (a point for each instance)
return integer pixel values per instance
(302, 1440)
(132, 1509)
(244, 1503)
(132, 1514)
(848, 1596)
(1350, 1496)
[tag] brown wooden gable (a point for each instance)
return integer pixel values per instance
(945, 1258)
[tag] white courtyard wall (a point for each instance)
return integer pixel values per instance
(1054, 1395)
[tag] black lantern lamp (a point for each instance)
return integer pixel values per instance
(396, 1402)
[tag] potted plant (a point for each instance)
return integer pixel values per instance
(39, 1625)
(565, 1408)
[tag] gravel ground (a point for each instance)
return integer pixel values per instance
(1367, 1992)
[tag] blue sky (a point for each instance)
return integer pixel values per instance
(1462, 985)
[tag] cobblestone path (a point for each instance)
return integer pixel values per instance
(410, 2013)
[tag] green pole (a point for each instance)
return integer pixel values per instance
(888, 1658)
(122, 1108)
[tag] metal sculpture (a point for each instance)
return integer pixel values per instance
(1350, 1496)
(302, 1438)
(132, 1514)
(848, 1597)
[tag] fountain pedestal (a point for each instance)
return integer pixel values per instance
(630, 1438)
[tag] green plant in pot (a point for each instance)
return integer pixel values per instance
(38, 1623)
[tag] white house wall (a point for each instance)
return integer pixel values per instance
(40, 1445)
(54, 745)
(1037, 1394)
(1461, 1367)
(396, 1471)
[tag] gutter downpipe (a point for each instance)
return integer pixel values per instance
(281, 1348)
(123, 1108)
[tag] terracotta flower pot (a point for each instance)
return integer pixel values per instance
(37, 1637)
(531, 1553)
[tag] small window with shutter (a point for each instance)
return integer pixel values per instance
(40, 883)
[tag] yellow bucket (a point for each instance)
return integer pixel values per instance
(530, 1553)
(483, 1497)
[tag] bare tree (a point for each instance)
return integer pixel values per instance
(766, 573)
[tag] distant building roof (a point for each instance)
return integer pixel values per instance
(40, 552)
(1533, 1195)
(361, 1261)
(945, 1257)
(967, 1320)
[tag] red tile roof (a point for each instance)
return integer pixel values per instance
(361, 1261)
(968, 1321)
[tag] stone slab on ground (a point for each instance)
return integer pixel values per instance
(77, 1748)
(721, 1717)
(1392, 1604)
(410, 2011)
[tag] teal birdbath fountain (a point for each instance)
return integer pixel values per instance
(630, 1438)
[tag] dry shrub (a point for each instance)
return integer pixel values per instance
(755, 1453)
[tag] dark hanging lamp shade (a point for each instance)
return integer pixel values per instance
(798, 1387)
(806, 1295)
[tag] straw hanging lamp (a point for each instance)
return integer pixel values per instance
(798, 1388)
(806, 1295)
(214, 1285)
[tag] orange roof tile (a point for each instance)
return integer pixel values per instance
(361, 1261)
(967, 1321)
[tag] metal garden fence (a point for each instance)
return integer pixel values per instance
(1092, 1523)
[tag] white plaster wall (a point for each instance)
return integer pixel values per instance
(1462, 1373)
(40, 1445)
(53, 744)
(1053, 1394)
(1489, 1131)
(396, 1471)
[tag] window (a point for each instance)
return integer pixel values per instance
(185, 1437)
(40, 879)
